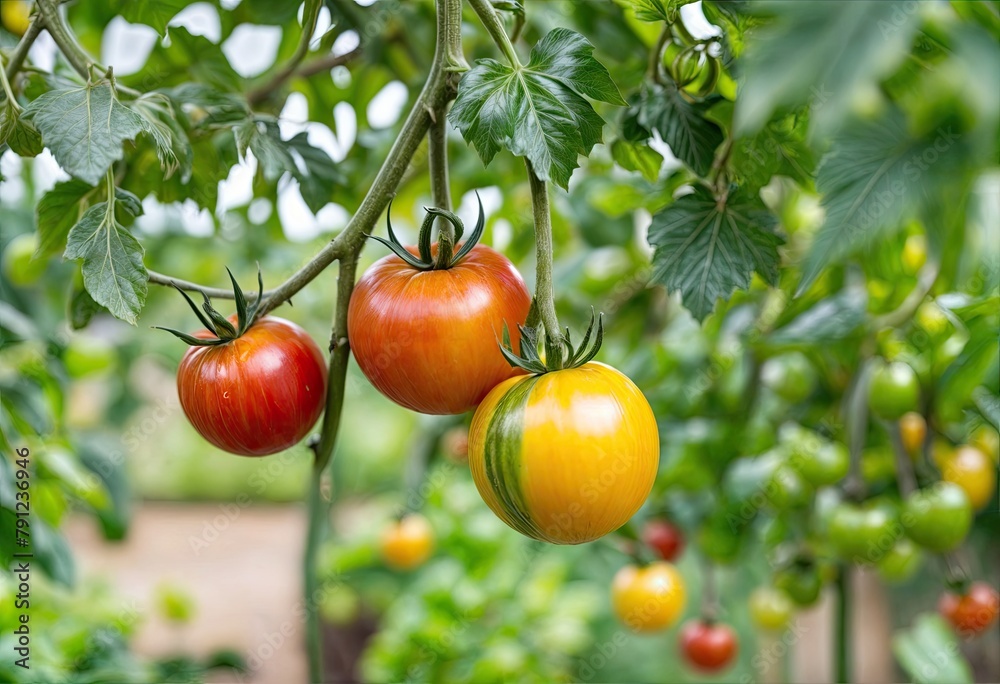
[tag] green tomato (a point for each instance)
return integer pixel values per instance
(19, 265)
(863, 533)
(791, 376)
(88, 355)
(787, 489)
(939, 517)
(894, 390)
(801, 582)
(821, 463)
(901, 561)
(771, 608)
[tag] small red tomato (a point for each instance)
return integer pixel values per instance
(663, 537)
(708, 646)
(428, 339)
(256, 394)
(972, 613)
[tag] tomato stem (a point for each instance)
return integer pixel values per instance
(437, 160)
(544, 292)
(843, 618)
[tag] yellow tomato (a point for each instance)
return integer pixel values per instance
(648, 598)
(407, 543)
(771, 608)
(912, 430)
(14, 15)
(987, 440)
(973, 471)
(566, 456)
(914, 253)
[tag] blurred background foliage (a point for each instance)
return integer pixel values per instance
(95, 403)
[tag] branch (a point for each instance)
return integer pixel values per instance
(321, 64)
(925, 281)
(213, 292)
(21, 51)
(544, 292)
(258, 95)
(437, 160)
(494, 26)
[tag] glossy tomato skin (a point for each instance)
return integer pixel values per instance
(708, 647)
(428, 340)
(665, 538)
(406, 544)
(973, 612)
(939, 517)
(648, 598)
(567, 456)
(973, 471)
(258, 394)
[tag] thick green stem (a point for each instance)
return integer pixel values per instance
(21, 51)
(656, 54)
(437, 159)
(65, 40)
(494, 26)
(544, 292)
(843, 617)
(317, 522)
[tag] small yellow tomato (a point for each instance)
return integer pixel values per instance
(973, 471)
(771, 608)
(648, 598)
(566, 456)
(914, 253)
(15, 15)
(912, 430)
(407, 543)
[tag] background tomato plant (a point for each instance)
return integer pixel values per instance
(765, 220)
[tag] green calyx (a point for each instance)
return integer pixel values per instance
(574, 356)
(223, 330)
(446, 255)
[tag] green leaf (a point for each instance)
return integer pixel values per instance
(539, 110)
(707, 248)
(172, 146)
(825, 52)
(18, 133)
(81, 307)
(928, 652)
(874, 176)
(113, 272)
(637, 157)
(682, 124)
(52, 553)
(834, 318)
(155, 13)
(186, 59)
(84, 128)
(59, 210)
(315, 171)
(656, 10)
(264, 139)
(970, 368)
(988, 404)
(778, 149)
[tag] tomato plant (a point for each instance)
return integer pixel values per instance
(709, 647)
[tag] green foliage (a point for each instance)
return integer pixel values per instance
(681, 124)
(928, 652)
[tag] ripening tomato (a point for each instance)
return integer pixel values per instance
(912, 430)
(407, 543)
(973, 471)
(709, 647)
(663, 537)
(771, 608)
(649, 597)
(256, 394)
(565, 456)
(427, 339)
(973, 612)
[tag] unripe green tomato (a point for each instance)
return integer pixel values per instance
(901, 561)
(87, 355)
(863, 533)
(802, 583)
(894, 389)
(788, 489)
(791, 376)
(771, 608)
(824, 465)
(19, 265)
(939, 517)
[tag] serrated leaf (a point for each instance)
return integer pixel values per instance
(707, 248)
(778, 149)
(834, 318)
(129, 202)
(929, 652)
(113, 271)
(873, 177)
(539, 110)
(681, 124)
(637, 157)
(264, 139)
(84, 128)
(59, 210)
(187, 58)
(18, 133)
(656, 10)
(154, 13)
(315, 171)
(804, 56)
(172, 146)
(81, 308)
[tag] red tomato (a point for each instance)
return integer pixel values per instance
(708, 647)
(664, 538)
(257, 394)
(972, 613)
(428, 340)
